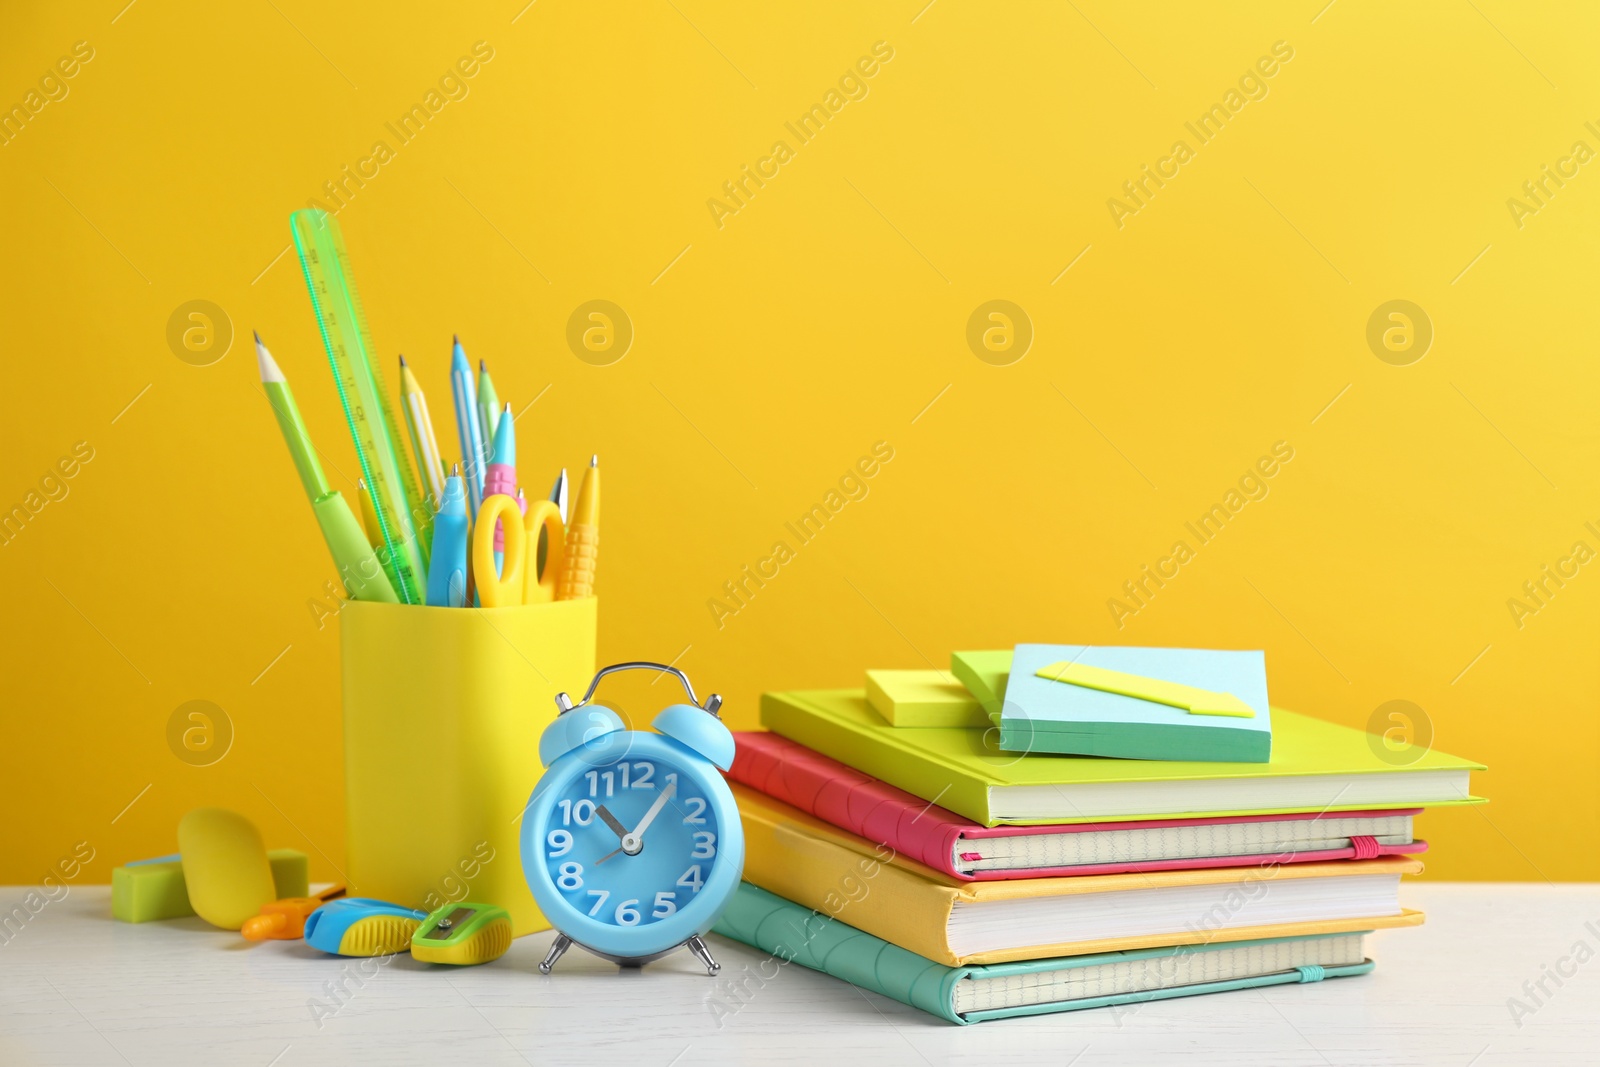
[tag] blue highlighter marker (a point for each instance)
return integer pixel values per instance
(447, 571)
(470, 429)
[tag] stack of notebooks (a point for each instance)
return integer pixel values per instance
(896, 839)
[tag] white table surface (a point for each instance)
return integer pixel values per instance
(79, 988)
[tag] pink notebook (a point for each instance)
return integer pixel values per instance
(947, 842)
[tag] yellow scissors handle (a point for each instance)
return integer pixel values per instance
(503, 589)
(540, 588)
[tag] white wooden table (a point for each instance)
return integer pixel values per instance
(78, 988)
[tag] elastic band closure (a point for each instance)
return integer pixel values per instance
(1311, 973)
(1366, 847)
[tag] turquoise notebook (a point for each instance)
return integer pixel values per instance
(1041, 715)
(794, 934)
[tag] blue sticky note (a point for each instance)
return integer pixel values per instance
(1041, 715)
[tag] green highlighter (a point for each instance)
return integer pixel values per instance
(347, 541)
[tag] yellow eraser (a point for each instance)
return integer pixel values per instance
(224, 866)
(923, 698)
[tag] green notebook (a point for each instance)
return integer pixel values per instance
(795, 934)
(1316, 766)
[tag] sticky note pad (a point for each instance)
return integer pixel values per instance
(1191, 699)
(923, 698)
(154, 889)
(985, 675)
(1187, 705)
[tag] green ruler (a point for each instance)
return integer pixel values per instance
(422, 508)
(366, 403)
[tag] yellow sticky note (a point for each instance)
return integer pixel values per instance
(923, 698)
(1191, 699)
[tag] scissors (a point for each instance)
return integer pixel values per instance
(517, 581)
(539, 583)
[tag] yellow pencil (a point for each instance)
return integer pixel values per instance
(583, 539)
(423, 443)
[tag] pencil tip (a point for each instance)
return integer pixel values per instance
(268, 366)
(455, 339)
(483, 368)
(402, 359)
(257, 334)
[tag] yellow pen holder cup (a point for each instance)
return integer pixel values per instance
(443, 708)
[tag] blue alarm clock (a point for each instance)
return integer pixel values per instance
(631, 841)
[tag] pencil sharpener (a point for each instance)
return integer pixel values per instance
(463, 934)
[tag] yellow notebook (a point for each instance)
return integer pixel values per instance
(867, 886)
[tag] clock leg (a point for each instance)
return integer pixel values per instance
(703, 954)
(558, 948)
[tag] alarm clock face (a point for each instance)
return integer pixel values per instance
(631, 856)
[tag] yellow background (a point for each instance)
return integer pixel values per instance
(772, 353)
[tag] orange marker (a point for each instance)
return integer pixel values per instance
(285, 920)
(583, 539)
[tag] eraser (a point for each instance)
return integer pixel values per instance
(224, 866)
(148, 890)
(291, 873)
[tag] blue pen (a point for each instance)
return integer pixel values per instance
(465, 394)
(447, 573)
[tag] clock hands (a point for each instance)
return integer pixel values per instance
(611, 821)
(633, 843)
(650, 817)
(616, 828)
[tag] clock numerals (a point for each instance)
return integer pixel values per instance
(623, 775)
(598, 812)
(581, 813)
(570, 876)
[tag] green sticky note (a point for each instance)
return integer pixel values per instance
(985, 675)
